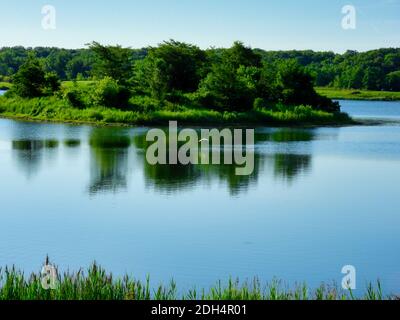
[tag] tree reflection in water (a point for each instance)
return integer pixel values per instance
(173, 178)
(29, 154)
(109, 160)
(286, 151)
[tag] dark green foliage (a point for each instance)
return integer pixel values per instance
(351, 70)
(172, 66)
(11, 59)
(296, 86)
(357, 70)
(57, 62)
(240, 55)
(228, 89)
(112, 61)
(294, 83)
(75, 97)
(177, 75)
(232, 83)
(52, 83)
(32, 81)
(151, 79)
(80, 65)
(392, 81)
(237, 78)
(109, 93)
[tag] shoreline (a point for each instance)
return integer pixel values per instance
(56, 110)
(358, 95)
(24, 118)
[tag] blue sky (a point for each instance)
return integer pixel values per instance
(267, 24)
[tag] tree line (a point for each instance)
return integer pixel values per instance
(174, 73)
(371, 70)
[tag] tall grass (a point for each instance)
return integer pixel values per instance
(97, 284)
(56, 109)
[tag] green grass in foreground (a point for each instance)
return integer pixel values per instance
(58, 110)
(97, 284)
(352, 94)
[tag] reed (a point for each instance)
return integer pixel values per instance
(97, 284)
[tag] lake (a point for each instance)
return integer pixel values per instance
(319, 199)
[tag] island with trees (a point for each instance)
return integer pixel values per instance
(180, 81)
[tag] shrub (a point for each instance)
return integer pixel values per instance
(51, 83)
(109, 93)
(259, 103)
(145, 104)
(74, 97)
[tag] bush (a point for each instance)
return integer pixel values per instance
(259, 103)
(145, 104)
(109, 93)
(74, 96)
(52, 83)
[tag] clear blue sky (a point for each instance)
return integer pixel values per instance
(267, 24)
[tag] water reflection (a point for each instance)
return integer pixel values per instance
(286, 151)
(289, 166)
(286, 166)
(72, 143)
(292, 135)
(29, 154)
(108, 160)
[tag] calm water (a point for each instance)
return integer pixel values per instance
(319, 199)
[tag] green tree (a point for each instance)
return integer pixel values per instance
(57, 61)
(109, 93)
(173, 67)
(112, 61)
(232, 82)
(30, 79)
(296, 87)
(228, 89)
(240, 55)
(151, 78)
(295, 84)
(81, 64)
(51, 83)
(372, 78)
(392, 81)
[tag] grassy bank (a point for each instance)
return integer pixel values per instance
(58, 110)
(97, 284)
(351, 94)
(5, 85)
